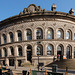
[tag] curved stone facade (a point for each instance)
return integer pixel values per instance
(26, 35)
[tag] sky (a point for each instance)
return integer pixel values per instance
(9, 8)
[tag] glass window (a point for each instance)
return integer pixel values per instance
(19, 33)
(39, 34)
(5, 52)
(39, 50)
(20, 51)
(4, 39)
(67, 35)
(74, 36)
(11, 36)
(59, 48)
(49, 34)
(59, 34)
(29, 34)
(49, 50)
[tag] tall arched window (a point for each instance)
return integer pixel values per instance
(69, 52)
(19, 51)
(11, 51)
(68, 34)
(29, 34)
(50, 33)
(39, 50)
(4, 39)
(11, 36)
(60, 34)
(50, 50)
(19, 34)
(5, 52)
(39, 34)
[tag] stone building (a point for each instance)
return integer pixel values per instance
(36, 31)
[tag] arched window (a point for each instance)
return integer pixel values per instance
(29, 34)
(19, 51)
(5, 52)
(39, 50)
(49, 50)
(68, 34)
(39, 34)
(50, 34)
(11, 51)
(11, 36)
(69, 52)
(60, 34)
(4, 39)
(19, 34)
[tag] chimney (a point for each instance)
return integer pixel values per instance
(71, 11)
(53, 8)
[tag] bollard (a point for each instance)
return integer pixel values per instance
(45, 72)
(30, 71)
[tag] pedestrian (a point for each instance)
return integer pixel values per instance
(58, 57)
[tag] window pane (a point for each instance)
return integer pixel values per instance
(4, 38)
(67, 35)
(19, 36)
(49, 34)
(59, 34)
(29, 35)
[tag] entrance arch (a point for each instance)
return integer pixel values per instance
(60, 51)
(29, 53)
(69, 52)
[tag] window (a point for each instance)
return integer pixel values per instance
(74, 36)
(19, 34)
(11, 36)
(39, 34)
(60, 34)
(29, 34)
(5, 52)
(49, 50)
(20, 51)
(4, 39)
(49, 34)
(68, 34)
(39, 50)
(69, 52)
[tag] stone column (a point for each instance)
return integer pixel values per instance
(55, 34)
(15, 37)
(55, 51)
(34, 50)
(72, 52)
(16, 63)
(65, 34)
(1, 39)
(44, 50)
(44, 34)
(72, 35)
(2, 52)
(65, 50)
(16, 51)
(7, 61)
(8, 38)
(23, 35)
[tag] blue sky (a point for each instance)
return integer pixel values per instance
(9, 8)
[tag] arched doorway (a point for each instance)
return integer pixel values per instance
(29, 53)
(60, 51)
(69, 52)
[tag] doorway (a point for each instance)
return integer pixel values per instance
(60, 51)
(11, 62)
(29, 53)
